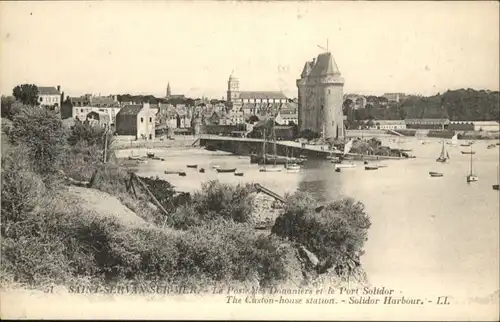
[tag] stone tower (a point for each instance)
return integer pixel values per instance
(320, 94)
(169, 91)
(233, 89)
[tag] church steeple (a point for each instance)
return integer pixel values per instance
(169, 93)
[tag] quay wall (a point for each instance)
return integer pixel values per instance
(249, 146)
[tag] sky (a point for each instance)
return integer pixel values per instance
(137, 47)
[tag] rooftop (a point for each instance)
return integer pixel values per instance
(47, 90)
(132, 109)
(325, 65)
(262, 94)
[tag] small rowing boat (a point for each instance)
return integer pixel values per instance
(468, 152)
(202, 170)
(239, 174)
(371, 167)
(192, 166)
(435, 174)
(345, 165)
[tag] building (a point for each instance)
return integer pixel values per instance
(169, 94)
(136, 120)
(288, 113)
(49, 96)
(394, 97)
(358, 101)
(460, 126)
(236, 98)
(388, 124)
(79, 107)
(98, 119)
(321, 97)
(487, 126)
(427, 124)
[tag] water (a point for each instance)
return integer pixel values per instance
(428, 235)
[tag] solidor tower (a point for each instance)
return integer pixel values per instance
(320, 94)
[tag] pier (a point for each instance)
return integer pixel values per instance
(247, 146)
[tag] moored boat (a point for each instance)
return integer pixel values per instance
(192, 166)
(220, 170)
(239, 174)
(495, 187)
(444, 156)
(345, 165)
(435, 174)
(337, 169)
(491, 146)
(471, 177)
(371, 167)
(142, 161)
(150, 155)
(468, 152)
(202, 170)
(216, 166)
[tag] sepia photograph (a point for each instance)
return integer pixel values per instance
(257, 160)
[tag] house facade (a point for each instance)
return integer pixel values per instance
(427, 124)
(388, 125)
(136, 120)
(98, 119)
(50, 96)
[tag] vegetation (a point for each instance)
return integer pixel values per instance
(457, 105)
(26, 94)
(50, 235)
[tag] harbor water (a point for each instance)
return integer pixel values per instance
(428, 235)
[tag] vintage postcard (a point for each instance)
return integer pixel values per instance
(310, 160)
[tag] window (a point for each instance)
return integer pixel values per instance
(142, 120)
(81, 110)
(150, 120)
(41, 99)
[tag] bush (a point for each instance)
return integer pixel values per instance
(42, 132)
(336, 234)
(218, 200)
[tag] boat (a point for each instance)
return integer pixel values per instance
(142, 161)
(345, 165)
(292, 167)
(202, 170)
(491, 146)
(371, 167)
(435, 174)
(228, 170)
(158, 158)
(337, 169)
(264, 168)
(365, 162)
(495, 186)
(444, 156)
(405, 150)
(150, 155)
(192, 166)
(471, 177)
(335, 160)
(465, 144)
(469, 152)
(216, 166)
(454, 140)
(239, 174)
(181, 173)
(382, 165)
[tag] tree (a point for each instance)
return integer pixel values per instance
(26, 94)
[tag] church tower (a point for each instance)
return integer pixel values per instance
(321, 91)
(169, 91)
(233, 89)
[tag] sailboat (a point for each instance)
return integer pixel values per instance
(495, 186)
(471, 177)
(454, 140)
(264, 168)
(444, 156)
(292, 167)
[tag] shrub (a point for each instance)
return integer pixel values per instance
(218, 200)
(42, 132)
(335, 233)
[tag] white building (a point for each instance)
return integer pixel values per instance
(488, 126)
(388, 124)
(49, 96)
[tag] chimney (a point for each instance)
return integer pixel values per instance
(314, 61)
(59, 88)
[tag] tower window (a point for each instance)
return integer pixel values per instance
(328, 91)
(142, 120)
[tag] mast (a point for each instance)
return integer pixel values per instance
(264, 148)
(470, 160)
(274, 145)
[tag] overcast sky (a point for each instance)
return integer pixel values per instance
(138, 47)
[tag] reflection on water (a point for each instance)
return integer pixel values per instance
(438, 235)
